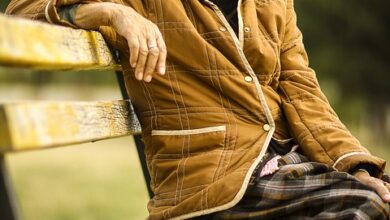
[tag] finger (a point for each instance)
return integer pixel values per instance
(387, 185)
(380, 188)
(161, 63)
(142, 56)
(151, 61)
(134, 50)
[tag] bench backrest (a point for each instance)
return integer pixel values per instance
(45, 124)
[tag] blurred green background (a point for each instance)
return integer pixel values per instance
(347, 42)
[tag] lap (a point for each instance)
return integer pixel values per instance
(301, 189)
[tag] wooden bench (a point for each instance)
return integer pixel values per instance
(30, 125)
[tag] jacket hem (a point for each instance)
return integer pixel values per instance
(242, 190)
(348, 155)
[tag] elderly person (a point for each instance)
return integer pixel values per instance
(234, 121)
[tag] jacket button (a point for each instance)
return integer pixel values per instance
(222, 28)
(266, 127)
(247, 29)
(248, 78)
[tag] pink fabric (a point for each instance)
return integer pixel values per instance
(270, 167)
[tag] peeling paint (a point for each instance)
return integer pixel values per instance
(43, 124)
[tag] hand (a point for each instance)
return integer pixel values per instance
(147, 48)
(381, 187)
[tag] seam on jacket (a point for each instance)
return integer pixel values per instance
(176, 156)
(213, 62)
(171, 81)
(188, 127)
(175, 99)
(309, 132)
(38, 12)
(224, 112)
(233, 147)
(146, 86)
(189, 131)
(147, 100)
(302, 73)
(234, 111)
(228, 117)
(317, 128)
(186, 189)
(190, 13)
(349, 155)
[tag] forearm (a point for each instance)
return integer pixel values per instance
(92, 16)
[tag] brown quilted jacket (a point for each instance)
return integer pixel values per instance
(207, 122)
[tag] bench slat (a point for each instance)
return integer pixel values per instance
(25, 43)
(43, 124)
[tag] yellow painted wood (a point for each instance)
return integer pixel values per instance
(43, 124)
(26, 43)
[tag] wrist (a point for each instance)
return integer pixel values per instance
(110, 12)
(360, 171)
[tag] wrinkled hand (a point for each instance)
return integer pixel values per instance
(147, 48)
(381, 187)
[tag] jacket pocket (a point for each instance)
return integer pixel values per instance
(185, 161)
(192, 141)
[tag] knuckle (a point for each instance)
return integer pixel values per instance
(139, 70)
(133, 47)
(133, 41)
(372, 181)
(144, 51)
(154, 51)
(148, 71)
(163, 48)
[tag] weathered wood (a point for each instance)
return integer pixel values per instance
(25, 43)
(34, 125)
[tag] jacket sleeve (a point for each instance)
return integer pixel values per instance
(43, 10)
(313, 122)
(47, 11)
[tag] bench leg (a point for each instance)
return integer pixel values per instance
(141, 154)
(137, 138)
(8, 204)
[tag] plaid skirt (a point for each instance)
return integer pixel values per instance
(301, 189)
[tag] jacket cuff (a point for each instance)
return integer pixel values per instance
(52, 7)
(52, 15)
(68, 12)
(350, 161)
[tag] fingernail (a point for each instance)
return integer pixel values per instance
(148, 78)
(161, 70)
(133, 65)
(139, 75)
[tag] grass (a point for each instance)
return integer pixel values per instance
(97, 181)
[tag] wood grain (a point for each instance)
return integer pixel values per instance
(43, 124)
(26, 43)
